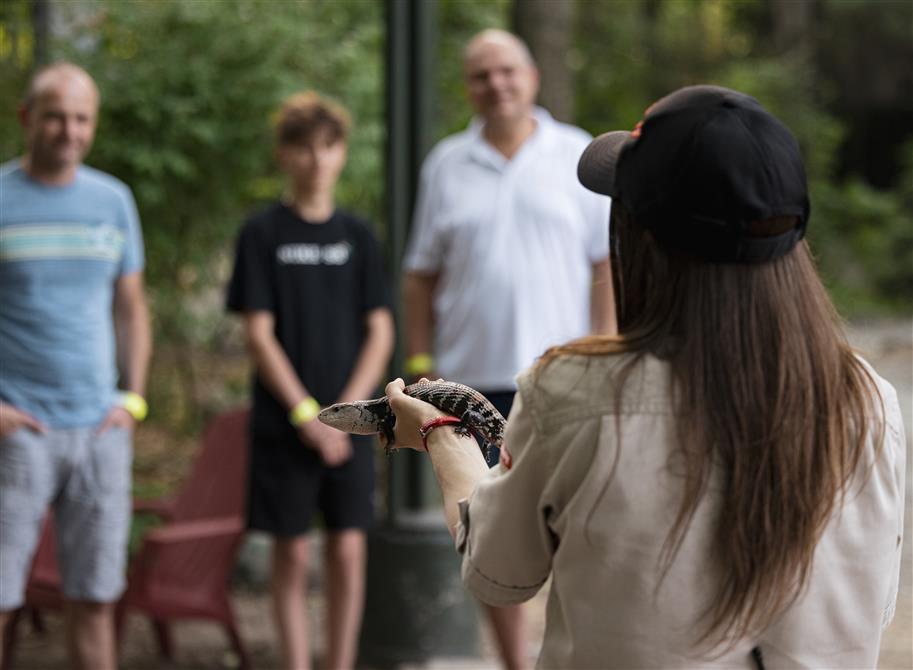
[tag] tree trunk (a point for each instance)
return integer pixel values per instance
(41, 29)
(546, 26)
(793, 23)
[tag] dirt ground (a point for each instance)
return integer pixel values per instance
(888, 345)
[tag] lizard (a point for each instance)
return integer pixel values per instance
(477, 415)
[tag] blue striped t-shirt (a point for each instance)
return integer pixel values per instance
(61, 250)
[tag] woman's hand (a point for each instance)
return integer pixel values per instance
(410, 415)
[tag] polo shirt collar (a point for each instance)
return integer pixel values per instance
(482, 152)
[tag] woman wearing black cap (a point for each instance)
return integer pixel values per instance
(722, 483)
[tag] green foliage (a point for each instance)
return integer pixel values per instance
(458, 21)
(864, 239)
(183, 124)
(629, 54)
(188, 92)
(16, 60)
(140, 524)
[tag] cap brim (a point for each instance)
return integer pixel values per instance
(596, 168)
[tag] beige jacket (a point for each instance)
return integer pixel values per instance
(567, 508)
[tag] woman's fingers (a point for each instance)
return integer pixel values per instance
(410, 414)
(399, 405)
(394, 387)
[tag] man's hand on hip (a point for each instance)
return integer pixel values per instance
(117, 416)
(12, 419)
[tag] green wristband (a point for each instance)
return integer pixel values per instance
(134, 403)
(419, 364)
(304, 411)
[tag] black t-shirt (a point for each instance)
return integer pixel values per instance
(319, 281)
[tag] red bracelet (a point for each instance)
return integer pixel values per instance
(431, 424)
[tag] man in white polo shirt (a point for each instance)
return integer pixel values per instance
(508, 252)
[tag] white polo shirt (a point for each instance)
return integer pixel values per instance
(513, 242)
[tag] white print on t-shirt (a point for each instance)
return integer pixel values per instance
(314, 254)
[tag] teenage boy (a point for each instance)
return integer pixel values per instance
(309, 283)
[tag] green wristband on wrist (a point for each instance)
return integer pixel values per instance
(419, 364)
(304, 411)
(134, 403)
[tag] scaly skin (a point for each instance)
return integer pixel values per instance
(477, 415)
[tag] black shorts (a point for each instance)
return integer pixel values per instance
(289, 483)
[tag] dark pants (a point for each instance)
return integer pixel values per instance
(503, 401)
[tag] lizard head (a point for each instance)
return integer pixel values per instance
(354, 417)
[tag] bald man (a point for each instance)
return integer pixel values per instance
(75, 344)
(508, 252)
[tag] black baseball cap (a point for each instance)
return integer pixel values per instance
(703, 164)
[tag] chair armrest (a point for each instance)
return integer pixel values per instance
(162, 507)
(187, 531)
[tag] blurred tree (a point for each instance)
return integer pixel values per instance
(865, 51)
(784, 53)
(17, 58)
(459, 21)
(547, 28)
(791, 22)
(41, 28)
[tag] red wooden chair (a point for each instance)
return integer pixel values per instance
(43, 590)
(182, 568)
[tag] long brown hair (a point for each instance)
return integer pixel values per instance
(766, 389)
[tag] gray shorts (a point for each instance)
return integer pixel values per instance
(86, 478)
